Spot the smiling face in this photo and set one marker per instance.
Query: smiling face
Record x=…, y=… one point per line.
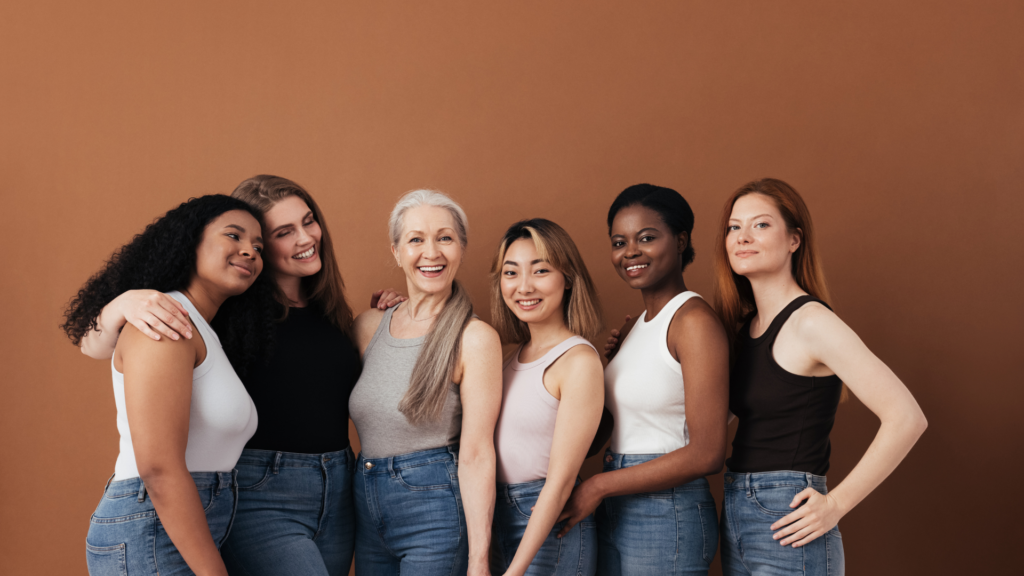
x=531, y=288
x=757, y=239
x=428, y=249
x=644, y=249
x=293, y=239
x=228, y=258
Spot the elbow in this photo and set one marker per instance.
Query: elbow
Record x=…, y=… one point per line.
x=713, y=464
x=920, y=423
x=478, y=454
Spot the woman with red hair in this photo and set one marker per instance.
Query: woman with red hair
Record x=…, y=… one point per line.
x=793, y=360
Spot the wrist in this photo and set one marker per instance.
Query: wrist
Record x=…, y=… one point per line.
x=840, y=501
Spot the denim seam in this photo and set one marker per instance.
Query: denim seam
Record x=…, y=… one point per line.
x=418, y=464
x=125, y=518
x=458, y=507
x=374, y=507
x=704, y=532
x=262, y=482
x=412, y=488
x=324, y=504
x=753, y=497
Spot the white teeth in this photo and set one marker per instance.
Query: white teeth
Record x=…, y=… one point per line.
x=431, y=268
x=528, y=302
x=305, y=254
x=636, y=267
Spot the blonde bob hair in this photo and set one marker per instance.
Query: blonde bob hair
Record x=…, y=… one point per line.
x=439, y=356
x=580, y=306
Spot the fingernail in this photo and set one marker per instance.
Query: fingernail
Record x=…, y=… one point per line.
x=174, y=336
x=188, y=335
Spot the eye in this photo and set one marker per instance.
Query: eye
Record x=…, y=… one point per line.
x=646, y=238
x=411, y=240
x=732, y=228
x=232, y=235
x=258, y=249
x=509, y=273
x=283, y=234
x=618, y=244
x=309, y=222
x=541, y=271
x=761, y=225
x=445, y=238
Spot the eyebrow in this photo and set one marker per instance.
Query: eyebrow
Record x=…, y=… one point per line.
x=240, y=229
x=512, y=263
x=640, y=232
x=753, y=217
x=283, y=226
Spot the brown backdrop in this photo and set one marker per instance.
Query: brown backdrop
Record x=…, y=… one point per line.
x=902, y=125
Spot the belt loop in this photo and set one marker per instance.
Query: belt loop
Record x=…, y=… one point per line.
x=454, y=453
x=142, y=490
x=391, y=466
x=217, y=485
x=746, y=478
x=107, y=485
x=277, y=462
x=810, y=479
x=508, y=496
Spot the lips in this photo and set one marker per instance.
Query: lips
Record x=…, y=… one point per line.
x=305, y=255
x=244, y=267
x=744, y=253
x=431, y=271
x=528, y=304
x=634, y=270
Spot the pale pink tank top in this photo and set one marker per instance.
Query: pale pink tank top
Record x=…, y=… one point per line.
x=526, y=426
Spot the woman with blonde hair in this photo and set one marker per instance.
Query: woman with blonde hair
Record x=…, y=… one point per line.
x=425, y=408
x=793, y=359
x=543, y=299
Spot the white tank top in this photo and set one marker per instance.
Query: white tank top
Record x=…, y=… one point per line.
x=644, y=388
x=222, y=417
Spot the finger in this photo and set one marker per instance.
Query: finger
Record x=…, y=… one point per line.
x=168, y=324
x=801, y=496
x=145, y=329
x=789, y=519
x=810, y=538
x=798, y=536
x=790, y=529
x=568, y=526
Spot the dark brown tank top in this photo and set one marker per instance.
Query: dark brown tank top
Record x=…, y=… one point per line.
x=784, y=419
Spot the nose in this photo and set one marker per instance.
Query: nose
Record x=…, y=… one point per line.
x=743, y=235
x=431, y=250
x=525, y=284
x=248, y=251
x=632, y=249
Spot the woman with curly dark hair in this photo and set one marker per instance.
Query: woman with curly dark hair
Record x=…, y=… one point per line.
x=182, y=412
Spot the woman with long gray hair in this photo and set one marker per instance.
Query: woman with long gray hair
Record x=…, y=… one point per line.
x=425, y=408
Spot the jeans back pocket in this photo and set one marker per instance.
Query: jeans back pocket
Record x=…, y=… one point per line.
x=106, y=560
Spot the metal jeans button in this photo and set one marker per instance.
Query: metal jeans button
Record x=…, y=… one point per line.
x=369, y=465
x=608, y=458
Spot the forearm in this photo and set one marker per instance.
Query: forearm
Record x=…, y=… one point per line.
x=181, y=513
x=673, y=469
x=545, y=513
x=476, y=484
x=100, y=343
x=891, y=444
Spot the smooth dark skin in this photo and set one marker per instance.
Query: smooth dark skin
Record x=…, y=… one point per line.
x=696, y=339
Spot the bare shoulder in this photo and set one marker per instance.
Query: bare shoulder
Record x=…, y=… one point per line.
x=134, y=343
x=696, y=315
x=365, y=325
x=579, y=358
x=814, y=321
x=480, y=338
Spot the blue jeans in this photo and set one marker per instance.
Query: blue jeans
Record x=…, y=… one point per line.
x=753, y=502
x=673, y=531
x=409, y=515
x=294, y=515
x=574, y=554
x=126, y=536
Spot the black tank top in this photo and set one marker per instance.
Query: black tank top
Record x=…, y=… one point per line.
x=784, y=419
x=301, y=394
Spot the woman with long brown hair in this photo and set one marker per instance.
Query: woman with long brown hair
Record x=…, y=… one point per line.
x=294, y=477
x=793, y=359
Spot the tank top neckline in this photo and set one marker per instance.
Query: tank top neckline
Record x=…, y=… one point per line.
x=517, y=365
x=778, y=321
x=684, y=295
x=393, y=341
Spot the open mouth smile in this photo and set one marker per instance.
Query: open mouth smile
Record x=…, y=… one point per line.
x=305, y=255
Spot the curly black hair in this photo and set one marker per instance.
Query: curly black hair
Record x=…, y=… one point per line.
x=163, y=258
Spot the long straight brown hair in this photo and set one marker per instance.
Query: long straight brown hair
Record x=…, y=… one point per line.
x=734, y=297
x=325, y=289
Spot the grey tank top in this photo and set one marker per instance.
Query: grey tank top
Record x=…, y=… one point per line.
x=373, y=406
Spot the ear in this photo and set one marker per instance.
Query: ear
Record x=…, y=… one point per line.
x=394, y=252
x=796, y=240
x=682, y=241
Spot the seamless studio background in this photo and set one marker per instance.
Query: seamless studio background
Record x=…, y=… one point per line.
x=902, y=125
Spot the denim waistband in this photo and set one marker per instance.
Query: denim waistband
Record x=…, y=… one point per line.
x=753, y=480
x=616, y=461
x=218, y=480
x=524, y=489
x=412, y=459
x=293, y=459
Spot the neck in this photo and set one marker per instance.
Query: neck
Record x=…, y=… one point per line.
x=206, y=301
x=291, y=286
x=548, y=333
x=772, y=292
x=423, y=305
x=658, y=295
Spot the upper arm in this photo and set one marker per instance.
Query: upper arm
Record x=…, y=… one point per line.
x=832, y=343
x=365, y=326
x=158, y=396
x=479, y=382
x=579, y=377
x=698, y=339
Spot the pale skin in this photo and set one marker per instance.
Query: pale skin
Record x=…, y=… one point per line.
x=430, y=253
x=815, y=342
x=158, y=387
x=646, y=254
x=292, y=232
x=534, y=291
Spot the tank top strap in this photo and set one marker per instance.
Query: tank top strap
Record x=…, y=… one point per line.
x=780, y=319
x=550, y=356
x=383, y=329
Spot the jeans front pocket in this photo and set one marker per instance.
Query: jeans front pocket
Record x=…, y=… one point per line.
x=775, y=500
x=431, y=476
x=106, y=560
x=253, y=476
